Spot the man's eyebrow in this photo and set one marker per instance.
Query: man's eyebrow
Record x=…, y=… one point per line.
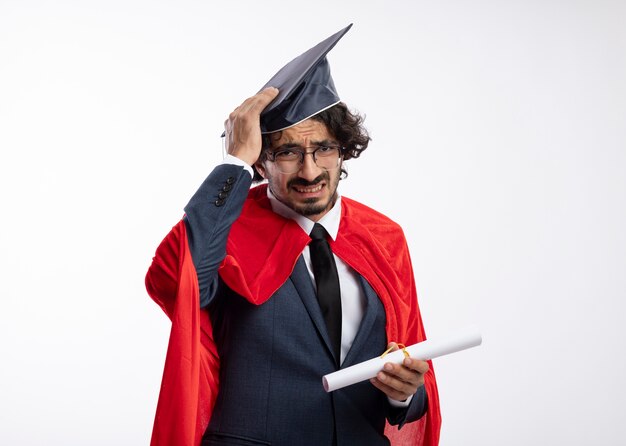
x=293, y=145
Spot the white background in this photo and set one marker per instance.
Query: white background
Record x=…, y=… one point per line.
x=499, y=144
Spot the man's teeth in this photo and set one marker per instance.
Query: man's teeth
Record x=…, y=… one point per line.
x=309, y=190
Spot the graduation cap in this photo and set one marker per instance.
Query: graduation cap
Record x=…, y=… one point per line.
x=305, y=87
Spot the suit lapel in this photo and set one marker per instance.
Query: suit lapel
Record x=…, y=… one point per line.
x=304, y=286
x=363, y=334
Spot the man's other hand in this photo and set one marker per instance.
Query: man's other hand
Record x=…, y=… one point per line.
x=400, y=381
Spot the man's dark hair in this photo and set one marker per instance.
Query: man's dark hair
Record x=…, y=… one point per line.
x=346, y=126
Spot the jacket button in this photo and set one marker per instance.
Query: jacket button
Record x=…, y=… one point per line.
x=230, y=180
x=218, y=202
x=222, y=195
x=227, y=187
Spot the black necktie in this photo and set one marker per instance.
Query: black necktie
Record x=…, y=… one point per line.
x=327, y=280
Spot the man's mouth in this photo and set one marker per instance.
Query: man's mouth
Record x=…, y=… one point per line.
x=309, y=189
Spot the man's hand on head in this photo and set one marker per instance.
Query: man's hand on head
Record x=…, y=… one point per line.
x=400, y=381
x=243, y=126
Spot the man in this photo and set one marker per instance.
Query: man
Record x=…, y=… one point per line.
x=271, y=288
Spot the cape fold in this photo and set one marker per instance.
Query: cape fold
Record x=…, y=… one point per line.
x=191, y=374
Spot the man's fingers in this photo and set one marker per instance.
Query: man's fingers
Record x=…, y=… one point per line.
x=417, y=365
x=270, y=93
x=257, y=103
x=397, y=383
x=263, y=99
x=408, y=373
x=250, y=110
x=389, y=391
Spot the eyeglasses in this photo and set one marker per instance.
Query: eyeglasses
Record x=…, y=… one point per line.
x=290, y=160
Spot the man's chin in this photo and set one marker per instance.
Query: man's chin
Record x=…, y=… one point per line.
x=311, y=206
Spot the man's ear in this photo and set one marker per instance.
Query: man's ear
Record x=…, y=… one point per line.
x=260, y=168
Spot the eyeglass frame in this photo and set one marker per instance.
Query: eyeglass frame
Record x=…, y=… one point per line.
x=270, y=155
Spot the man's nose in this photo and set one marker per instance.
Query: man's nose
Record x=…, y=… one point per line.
x=309, y=170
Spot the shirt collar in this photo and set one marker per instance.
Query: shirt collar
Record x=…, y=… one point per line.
x=330, y=221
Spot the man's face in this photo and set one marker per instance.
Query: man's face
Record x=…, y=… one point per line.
x=312, y=190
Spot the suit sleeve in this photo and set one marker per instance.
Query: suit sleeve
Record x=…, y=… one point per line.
x=209, y=216
x=414, y=411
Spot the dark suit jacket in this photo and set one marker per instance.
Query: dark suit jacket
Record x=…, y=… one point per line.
x=274, y=355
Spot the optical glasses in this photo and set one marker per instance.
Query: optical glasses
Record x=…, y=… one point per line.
x=290, y=160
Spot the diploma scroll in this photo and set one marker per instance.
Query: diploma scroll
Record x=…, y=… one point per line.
x=429, y=349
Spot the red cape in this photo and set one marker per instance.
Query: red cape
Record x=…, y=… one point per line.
x=261, y=252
